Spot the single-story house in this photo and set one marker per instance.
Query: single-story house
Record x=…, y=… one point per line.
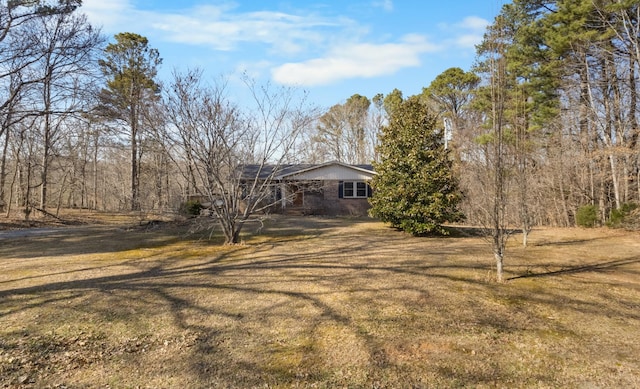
x=332, y=188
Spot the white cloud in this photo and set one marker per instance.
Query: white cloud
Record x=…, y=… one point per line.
x=113, y=16
x=216, y=26
x=320, y=50
x=387, y=5
x=254, y=70
x=468, y=41
x=359, y=60
x=474, y=23
x=211, y=26
x=467, y=33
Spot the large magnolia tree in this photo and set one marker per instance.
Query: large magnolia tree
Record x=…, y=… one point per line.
x=415, y=189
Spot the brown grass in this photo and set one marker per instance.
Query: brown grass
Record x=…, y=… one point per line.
x=313, y=302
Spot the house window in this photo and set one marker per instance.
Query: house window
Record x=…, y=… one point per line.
x=355, y=189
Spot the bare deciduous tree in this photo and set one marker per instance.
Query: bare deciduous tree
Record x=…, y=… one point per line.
x=217, y=141
x=346, y=132
x=68, y=43
x=20, y=51
x=494, y=171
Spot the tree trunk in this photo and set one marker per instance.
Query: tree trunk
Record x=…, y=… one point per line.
x=45, y=167
x=95, y=171
x=563, y=198
x=610, y=131
x=135, y=178
x=16, y=178
x=498, y=254
x=27, y=195
x=46, y=138
x=3, y=171
x=231, y=229
x=589, y=139
x=522, y=158
x=613, y=164
x=635, y=131
x=499, y=178
x=235, y=237
x=59, y=202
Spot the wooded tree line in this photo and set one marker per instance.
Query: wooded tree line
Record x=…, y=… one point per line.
x=546, y=122
x=559, y=79
x=549, y=114
x=46, y=56
x=86, y=123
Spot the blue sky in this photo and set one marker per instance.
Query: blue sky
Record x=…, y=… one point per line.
x=331, y=48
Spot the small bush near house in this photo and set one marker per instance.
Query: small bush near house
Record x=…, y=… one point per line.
x=191, y=208
x=587, y=216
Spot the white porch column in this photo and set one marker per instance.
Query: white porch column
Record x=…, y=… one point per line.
x=283, y=195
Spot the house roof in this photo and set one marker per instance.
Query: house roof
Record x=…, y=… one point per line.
x=286, y=171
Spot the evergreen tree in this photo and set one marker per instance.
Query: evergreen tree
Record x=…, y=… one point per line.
x=415, y=189
x=130, y=66
x=452, y=90
x=392, y=101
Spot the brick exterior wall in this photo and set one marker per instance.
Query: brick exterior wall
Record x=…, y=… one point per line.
x=335, y=206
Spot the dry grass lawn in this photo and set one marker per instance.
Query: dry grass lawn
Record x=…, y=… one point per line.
x=314, y=302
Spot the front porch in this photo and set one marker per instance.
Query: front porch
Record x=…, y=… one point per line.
x=326, y=198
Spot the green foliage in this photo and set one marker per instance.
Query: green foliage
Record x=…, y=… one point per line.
x=415, y=189
x=452, y=90
x=485, y=139
x=587, y=216
x=618, y=217
x=392, y=101
x=191, y=208
x=530, y=76
x=44, y=9
x=130, y=66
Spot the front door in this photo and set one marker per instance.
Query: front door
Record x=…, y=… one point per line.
x=298, y=195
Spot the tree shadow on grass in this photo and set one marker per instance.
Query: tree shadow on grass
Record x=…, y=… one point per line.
x=256, y=273
x=63, y=242
x=592, y=267
x=67, y=241
x=460, y=231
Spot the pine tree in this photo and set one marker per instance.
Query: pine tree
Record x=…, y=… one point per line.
x=415, y=189
x=130, y=66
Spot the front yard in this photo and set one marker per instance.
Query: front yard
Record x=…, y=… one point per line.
x=314, y=302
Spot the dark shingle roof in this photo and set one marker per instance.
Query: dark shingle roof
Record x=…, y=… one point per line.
x=250, y=171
